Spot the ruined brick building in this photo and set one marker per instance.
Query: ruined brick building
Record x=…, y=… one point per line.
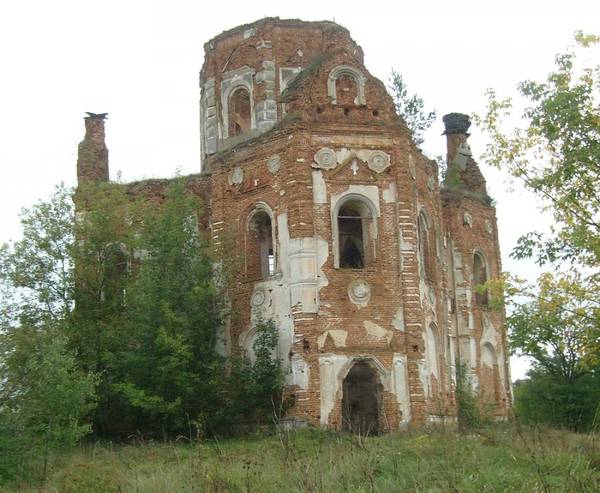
x=367, y=263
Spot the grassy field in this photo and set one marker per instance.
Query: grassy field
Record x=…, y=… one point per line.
x=495, y=459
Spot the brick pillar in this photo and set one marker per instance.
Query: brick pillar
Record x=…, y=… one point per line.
x=92, y=157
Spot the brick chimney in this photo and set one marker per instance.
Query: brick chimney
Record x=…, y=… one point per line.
x=463, y=173
x=92, y=156
x=456, y=127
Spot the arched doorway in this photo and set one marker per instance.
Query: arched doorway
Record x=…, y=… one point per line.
x=361, y=400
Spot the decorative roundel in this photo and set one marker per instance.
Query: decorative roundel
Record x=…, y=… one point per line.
x=359, y=292
x=258, y=298
x=274, y=163
x=325, y=158
x=468, y=220
x=488, y=226
x=236, y=177
x=378, y=161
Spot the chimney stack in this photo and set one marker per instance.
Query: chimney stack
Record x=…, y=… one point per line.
x=456, y=127
x=92, y=156
x=462, y=174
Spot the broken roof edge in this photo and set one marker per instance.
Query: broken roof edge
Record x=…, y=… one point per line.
x=275, y=20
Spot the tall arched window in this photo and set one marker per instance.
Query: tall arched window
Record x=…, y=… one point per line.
x=260, y=255
x=432, y=350
x=425, y=247
x=480, y=277
x=354, y=223
x=239, y=112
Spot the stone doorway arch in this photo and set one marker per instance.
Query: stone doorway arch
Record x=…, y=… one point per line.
x=361, y=401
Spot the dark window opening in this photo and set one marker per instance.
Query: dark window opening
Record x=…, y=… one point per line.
x=479, y=279
x=261, y=262
x=353, y=233
x=239, y=112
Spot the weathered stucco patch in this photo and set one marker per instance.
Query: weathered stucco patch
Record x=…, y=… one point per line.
x=398, y=321
x=319, y=187
x=300, y=372
x=400, y=377
x=330, y=366
x=424, y=377
x=337, y=336
x=377, y=332
x=389, y=193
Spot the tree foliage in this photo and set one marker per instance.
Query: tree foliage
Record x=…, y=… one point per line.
x=410, y=108
x=111, y=318
x=555, y=153
x=169, y=367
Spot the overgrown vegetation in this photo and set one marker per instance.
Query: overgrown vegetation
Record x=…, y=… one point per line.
x=497, y=459
x=111, y=322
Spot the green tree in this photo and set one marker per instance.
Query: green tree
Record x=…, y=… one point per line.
x=555, y=153
x=44, y=400
x=556, y=330
x=410, y=108
x=44, y=396
x=255, y=388
x=169, y=369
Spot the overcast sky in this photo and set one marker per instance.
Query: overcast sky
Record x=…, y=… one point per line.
x=139, y=61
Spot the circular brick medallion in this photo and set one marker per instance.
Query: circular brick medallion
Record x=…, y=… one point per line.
x=359, y=292
x=325, y=158
x=468, y=220
x=258, y=298
x=236, y=177
x=488, y=226
x=274, y=163
x=378, y=161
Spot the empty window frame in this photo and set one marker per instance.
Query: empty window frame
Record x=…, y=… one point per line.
x=239, y=112
x=260, y=254
x=355, y=228
x=480, y=277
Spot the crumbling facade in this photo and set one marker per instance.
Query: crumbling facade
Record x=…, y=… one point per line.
x=365, y=261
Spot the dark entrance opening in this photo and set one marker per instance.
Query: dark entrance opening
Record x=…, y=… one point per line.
x=360, y=403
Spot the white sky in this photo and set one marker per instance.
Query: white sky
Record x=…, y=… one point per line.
x=139, y=61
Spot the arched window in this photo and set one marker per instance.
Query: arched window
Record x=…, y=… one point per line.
x=425, y=247
x=480, y=277
x=346, y=85
x=432, y=350
x=346, y=89
x=260, y=255
x=490, y=375
x=239, y=112
x=354, y=228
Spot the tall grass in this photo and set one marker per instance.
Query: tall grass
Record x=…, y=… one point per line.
x=494, y=459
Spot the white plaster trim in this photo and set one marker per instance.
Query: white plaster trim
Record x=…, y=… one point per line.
x=359, y=78
x=234, y=80
x=369, y=195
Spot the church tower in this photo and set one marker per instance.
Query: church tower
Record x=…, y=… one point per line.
x=348, y=242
